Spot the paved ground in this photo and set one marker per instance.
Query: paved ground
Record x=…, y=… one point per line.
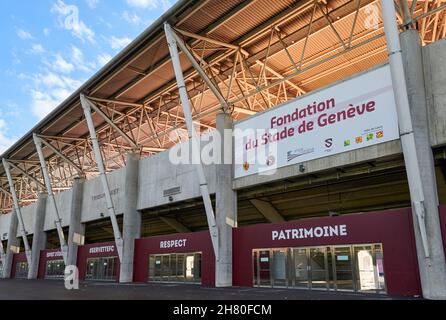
x=55, y=290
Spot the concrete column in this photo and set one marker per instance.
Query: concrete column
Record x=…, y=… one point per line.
x=39, y=237
x=226, y=203
x=76, y=225
x=13, y=241
x=432, y=269
x=132, y=218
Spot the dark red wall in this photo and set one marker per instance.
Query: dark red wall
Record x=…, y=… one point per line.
x=196, y=242
x=391, y=228
x=19, y=257
x=84, y=253
x=43, y=259
x=443, y=225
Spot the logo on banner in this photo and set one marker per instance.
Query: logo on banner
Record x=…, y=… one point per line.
x=291, y=155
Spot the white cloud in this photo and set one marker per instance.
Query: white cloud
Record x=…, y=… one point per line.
x=119, y=43
x=62, y=65
x=24, y=35
x=92, y=3
x=37, y=48
x=79, y=62
x=69, y=19
x=5, y=140
x=103, y=59
x=132, y=18
x=46, y=32
x=49, y=90
x=152, y=4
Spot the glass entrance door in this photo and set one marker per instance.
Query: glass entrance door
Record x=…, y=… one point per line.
x=55, y=269
x=343, y=268
x=349, y=268
x=301, y=269
x=318, y=268
x=179, y=267
x=21, y=270
x=102, y=269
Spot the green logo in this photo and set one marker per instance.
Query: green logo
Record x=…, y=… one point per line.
x=370, y=137
x=347, y=143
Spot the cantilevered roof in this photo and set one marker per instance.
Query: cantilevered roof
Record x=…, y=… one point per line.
x=259, y=53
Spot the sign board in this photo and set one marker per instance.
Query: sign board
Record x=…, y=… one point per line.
x=352, y=114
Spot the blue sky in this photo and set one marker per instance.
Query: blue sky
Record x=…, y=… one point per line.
x=50, y=47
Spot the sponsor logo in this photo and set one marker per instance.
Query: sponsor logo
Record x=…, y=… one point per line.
x=329, y=143
x=347, y=143
x=358, y=140
x=370, y=136
x=380, y=135
x=173, y=244
x=291, y=155
x=270, y=161
x=246, y=166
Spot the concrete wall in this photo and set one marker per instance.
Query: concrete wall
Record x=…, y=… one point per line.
x=5, y=220
x=435, y=76
x=94, y=203
x=157, y=174
x=28, y=214
x=63, y=202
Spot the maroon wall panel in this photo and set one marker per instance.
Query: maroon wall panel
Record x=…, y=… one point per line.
x=47, y=255
x=19, y=257
x=443, y=225
x=195, y=242
x=394, y=229
x=97, y=250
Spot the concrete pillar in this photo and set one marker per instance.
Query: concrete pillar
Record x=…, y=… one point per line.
x=39, y=237
x=432, y=269
x=132, y=218
x=13, y=241
x=226, y=203
x=76, y=225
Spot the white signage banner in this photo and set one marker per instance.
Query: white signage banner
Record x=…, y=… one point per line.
x=353, y=114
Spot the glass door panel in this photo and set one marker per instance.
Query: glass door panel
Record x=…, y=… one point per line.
x=318, y=268
x=301, y=268
x=379, y=262
x=279, y=268
x=343, y=267
x=265, y=268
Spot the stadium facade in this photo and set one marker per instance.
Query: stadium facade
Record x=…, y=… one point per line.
x=321, y=131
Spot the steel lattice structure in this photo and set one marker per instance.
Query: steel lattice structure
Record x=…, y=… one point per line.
x=247, y=58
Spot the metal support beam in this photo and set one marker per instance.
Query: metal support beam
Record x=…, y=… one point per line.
x=267, y=210
x=26, y=174
x=215, y=90
x=58, y=222
x=193, y=138
x=111, y=123
x=175, y=224
x=17, y=210
x=64, y=158
x=87, y=105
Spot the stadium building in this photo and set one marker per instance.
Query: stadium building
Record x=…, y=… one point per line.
x=326, y=125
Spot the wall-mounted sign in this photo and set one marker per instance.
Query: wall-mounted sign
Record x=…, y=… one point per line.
x=173, y=244
x=102, y=195
x=315, y=232
x=103, y=249
x=56, y=254
x=353, y=114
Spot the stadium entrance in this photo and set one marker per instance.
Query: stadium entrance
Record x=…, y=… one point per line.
x=177, y=267
x=350, y=268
